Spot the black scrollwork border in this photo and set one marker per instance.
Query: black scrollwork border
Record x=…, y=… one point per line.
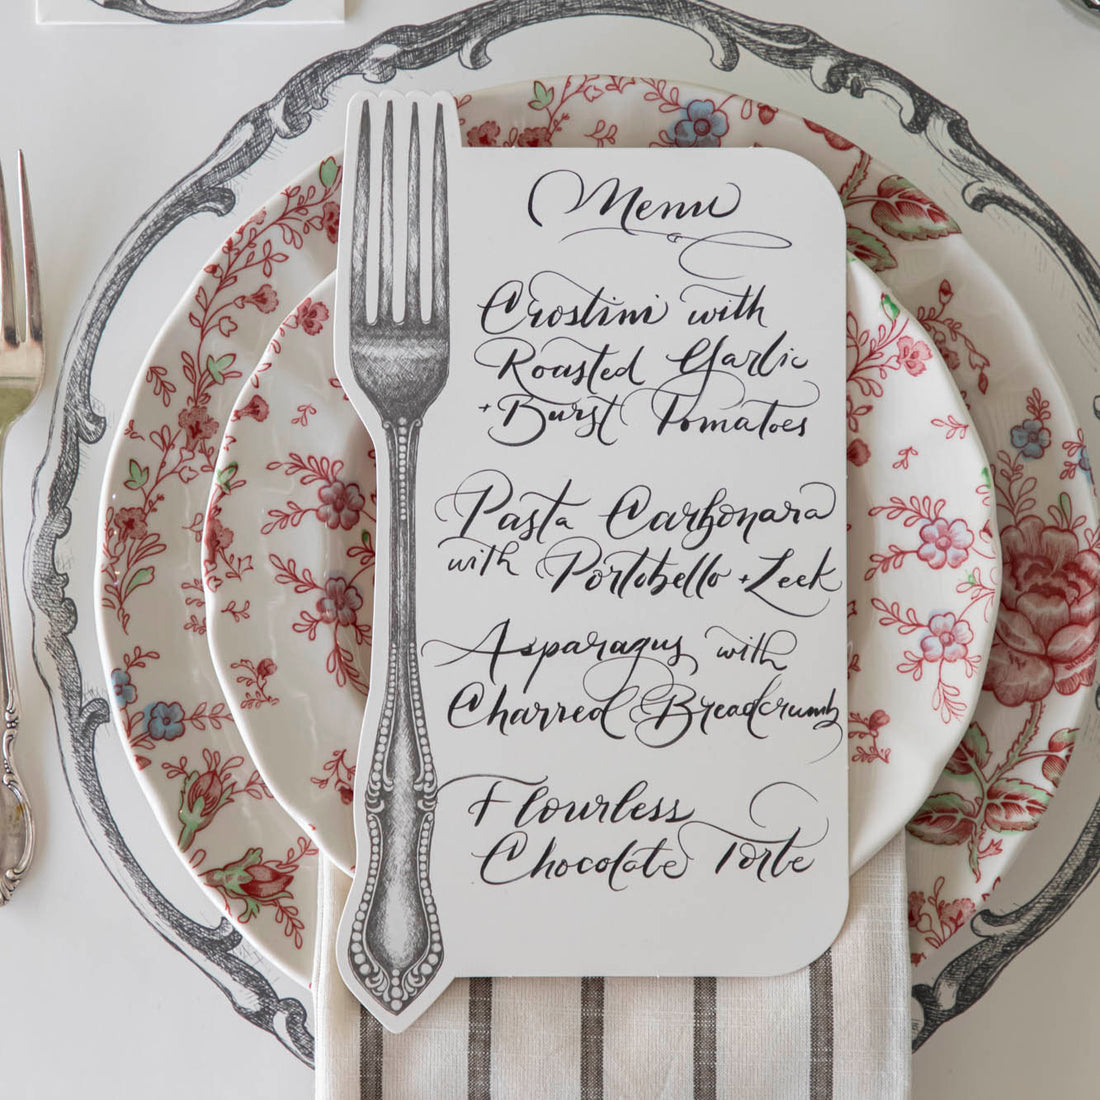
x=468, y=34
x=142, y=9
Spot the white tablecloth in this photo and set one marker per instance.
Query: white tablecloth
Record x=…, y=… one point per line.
x=92, y=1001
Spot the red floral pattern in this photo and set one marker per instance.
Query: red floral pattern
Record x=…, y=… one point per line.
x=944, y=543
x=157, y=485
x=1045, y=645
x=256, y=883
x=340, y=774
x=341, y=504
x=311, y=316
x=1050, y=614
x=337, y=599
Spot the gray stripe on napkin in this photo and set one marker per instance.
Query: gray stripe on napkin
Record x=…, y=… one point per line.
x=821, y=1027
x=592, y=1038
x=705, y=1051
x=370, y=1056
x=479, y=1043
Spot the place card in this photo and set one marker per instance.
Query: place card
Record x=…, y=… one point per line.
x=629, y=602
x=189, y=12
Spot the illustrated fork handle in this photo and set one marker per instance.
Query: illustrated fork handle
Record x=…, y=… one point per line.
x=395, y=945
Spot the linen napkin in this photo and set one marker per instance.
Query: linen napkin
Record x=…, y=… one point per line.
x=838, y=1028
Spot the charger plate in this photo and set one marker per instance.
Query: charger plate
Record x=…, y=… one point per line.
x=1011, y=343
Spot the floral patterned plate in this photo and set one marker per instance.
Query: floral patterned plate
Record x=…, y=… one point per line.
x=290, y=634
x=247, y=852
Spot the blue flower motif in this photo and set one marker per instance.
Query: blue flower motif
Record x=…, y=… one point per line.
x=164, y=721
x=125, y=692
x=1030, y=438
x=701, y=125
x=1084, y=464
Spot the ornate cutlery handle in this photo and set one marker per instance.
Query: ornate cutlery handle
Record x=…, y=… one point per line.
x=395, y=945
x=16, y=821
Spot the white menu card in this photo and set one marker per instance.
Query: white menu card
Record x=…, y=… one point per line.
x=630, y=602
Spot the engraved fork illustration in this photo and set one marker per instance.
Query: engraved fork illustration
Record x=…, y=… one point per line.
x=21, y=370
x=395, y=945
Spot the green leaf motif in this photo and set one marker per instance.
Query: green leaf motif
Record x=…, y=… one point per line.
x=855, y=178
x=1066, y=506
x=946, y=818
x=868, y=248
x=889, y=307
x=225, y=475
x=972, y=753
x=328, y=172
x=904, y=212
x=141, y=577
x=218, y=367
x=139, y=475
x=1013, y=805
x=542, y=97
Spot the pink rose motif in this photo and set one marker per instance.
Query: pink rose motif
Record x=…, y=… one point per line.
x=834, y=140
x=130, y=523
x=218, y=537
x=944, y=543
x=198, y=425
x=1047, y=626
x=913, y=354
x=341, y=503
x=877, y=720
x=954, y=914
x=488, y=133
x=916, y=904
x=858, y=452
x=311, y=316
x=946, y=638
x=265, y=882
x=340, y=602
x=265, y=299
x=330, y=220
x=256, y=409
x=267, y=667
x=533, y=137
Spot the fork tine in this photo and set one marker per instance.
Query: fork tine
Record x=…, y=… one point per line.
x=412, y=264
x=440, y=255
x=7, y=300
x=30, y=259
x=385, y=292
x=359, y=223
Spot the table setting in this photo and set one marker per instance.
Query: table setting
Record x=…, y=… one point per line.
x=215, y=577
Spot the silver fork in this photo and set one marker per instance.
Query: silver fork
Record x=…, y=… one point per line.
x=21, y=368
x=395, y=946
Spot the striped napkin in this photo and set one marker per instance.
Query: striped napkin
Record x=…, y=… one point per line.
x=837, y=1028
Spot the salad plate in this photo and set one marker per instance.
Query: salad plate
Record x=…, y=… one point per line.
x=290, y=634
x=171, y=710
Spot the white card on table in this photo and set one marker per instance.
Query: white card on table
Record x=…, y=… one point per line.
x=190, y=12
x=629, y=606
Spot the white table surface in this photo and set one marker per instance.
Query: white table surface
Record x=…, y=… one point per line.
x=92, y=1001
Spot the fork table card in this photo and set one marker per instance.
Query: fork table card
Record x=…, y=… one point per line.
x=626, y=593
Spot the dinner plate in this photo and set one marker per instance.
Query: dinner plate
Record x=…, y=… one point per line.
x=290, y=635
x=149, y=559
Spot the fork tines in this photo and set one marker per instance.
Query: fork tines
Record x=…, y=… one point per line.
x=393, y=208
x=30, y=268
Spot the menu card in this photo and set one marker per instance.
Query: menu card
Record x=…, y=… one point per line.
x=630, y=602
